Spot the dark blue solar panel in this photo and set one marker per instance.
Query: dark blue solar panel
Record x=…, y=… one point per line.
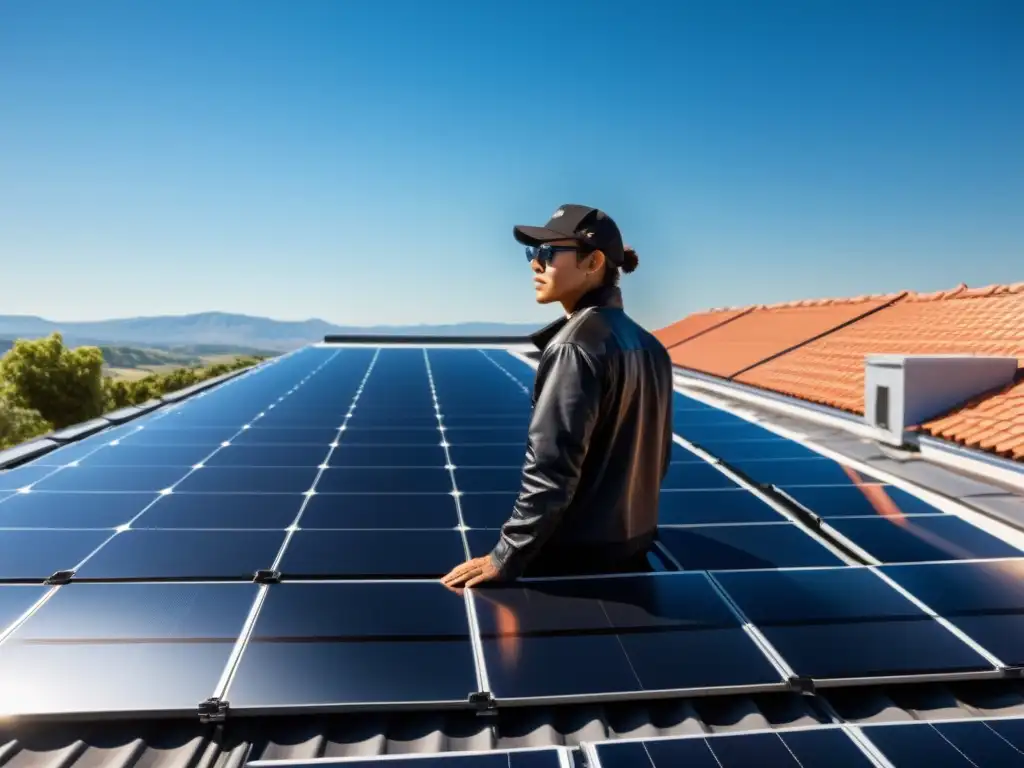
x=740, y=450
x=579, y=637
x=269, y=456
x=384, y=479
x=379, y=510
x=22, y=477
x=390, y=436
x=222, y=510
x=15, y=599
x=486, y=479
x=984, y=600
x=920, y=539
x=486, y=435
x=727, y=547
x=959, y=745
x=860, y=501
x=161, y=433
x=695, y=476
x=739, y=430
x=123, y=648
x=846, y=623
x=487, y=510
x=489, y=455
x=515, y=420
x=332, y=644
x=286, y=436
x=183, y=554
x=372, y=554
x=388, y=456
x=812, y=748
x=393, y=418
x=791, y=472
x=36, y=555
x=41, y=509
x=709, y=417
x=84, y=478
x=128, y=455
x=717, y=506
x=249, y=480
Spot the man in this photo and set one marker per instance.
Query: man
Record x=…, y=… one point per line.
x=600, y=436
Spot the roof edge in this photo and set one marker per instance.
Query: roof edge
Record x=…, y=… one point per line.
x=375, y=338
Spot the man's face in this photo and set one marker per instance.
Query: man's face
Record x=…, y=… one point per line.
x=560, y=276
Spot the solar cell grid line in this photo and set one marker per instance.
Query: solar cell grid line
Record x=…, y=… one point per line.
x=99, y=563
x=515, y=379
x=448, y=459
x=283, y=555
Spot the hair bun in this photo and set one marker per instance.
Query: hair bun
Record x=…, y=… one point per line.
x=630, y=260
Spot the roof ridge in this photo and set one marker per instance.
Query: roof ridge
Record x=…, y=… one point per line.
x=962, y=291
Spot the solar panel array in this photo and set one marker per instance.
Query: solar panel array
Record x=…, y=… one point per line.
x=274, y=545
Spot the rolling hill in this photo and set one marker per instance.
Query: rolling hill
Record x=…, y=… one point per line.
x=227, y=333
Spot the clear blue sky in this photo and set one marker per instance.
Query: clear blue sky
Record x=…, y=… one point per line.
x=364, y=162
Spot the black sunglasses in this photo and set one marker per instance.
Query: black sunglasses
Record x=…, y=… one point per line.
x=545, y=254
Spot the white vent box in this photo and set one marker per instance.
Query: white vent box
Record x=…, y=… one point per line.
x=901, y=391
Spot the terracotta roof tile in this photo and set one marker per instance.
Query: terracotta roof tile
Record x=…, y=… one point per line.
x=815, y=350
x=696, y=324
x=767, y=331
x=830, y=369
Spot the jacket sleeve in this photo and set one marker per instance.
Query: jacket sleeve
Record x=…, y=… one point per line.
x=560, y=430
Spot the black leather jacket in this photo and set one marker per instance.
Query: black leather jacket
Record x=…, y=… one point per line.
x=600, y=440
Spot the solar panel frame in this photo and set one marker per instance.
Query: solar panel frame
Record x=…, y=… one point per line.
x=561, y=757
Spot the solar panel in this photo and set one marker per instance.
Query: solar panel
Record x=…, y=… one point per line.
x=486, y=510
x=808, y=748
x=330, y=645
x=139, y=648
x=726, y=431
x=985, y=600
x=512, y=455
x=756, y=545
x=42, y=509
x=859, y=501
x=726, y=505
x=128, y=455
x=36, y=555
x=182, y=554
x=346, y=455
x=958, y=744
x=921, y=538
x=21, y=477
x=15, y=600
x=693, y=476
x=268, y=456
x=615, y=637
x=381, y=511
x=372, y=554
x=247, y=511
x=551, y=757
x=774, y=448
x=844, y=625
x=797, y=472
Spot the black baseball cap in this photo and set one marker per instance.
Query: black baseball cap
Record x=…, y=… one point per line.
x=590, y=226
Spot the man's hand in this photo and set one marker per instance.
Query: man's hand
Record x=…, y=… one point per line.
x=472, y=572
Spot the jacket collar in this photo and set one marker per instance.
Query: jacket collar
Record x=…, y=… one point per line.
x=602, y=296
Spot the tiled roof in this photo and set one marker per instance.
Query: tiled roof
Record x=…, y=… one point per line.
x=766, y=331
x=696, y=324
x=808, y=350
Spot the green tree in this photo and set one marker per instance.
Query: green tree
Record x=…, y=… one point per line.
x=64, y=385
x=19, y=424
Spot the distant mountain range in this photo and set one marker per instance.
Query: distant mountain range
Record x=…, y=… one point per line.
x=224, y=332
